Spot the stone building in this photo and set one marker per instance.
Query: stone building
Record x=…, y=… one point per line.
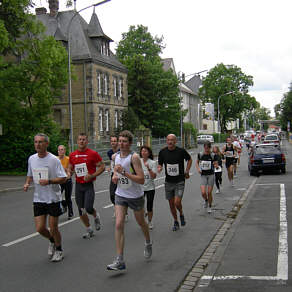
x=99, y=83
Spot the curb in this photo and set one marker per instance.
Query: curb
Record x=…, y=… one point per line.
x=193, y=277
x=11, y=189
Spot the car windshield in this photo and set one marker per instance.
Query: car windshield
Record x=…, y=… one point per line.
x=272, y=138
x=267, y=150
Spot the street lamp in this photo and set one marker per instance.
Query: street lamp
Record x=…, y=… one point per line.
x=69, y=67
x=219, y=126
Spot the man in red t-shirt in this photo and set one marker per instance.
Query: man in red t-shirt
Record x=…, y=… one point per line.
x=87, y=165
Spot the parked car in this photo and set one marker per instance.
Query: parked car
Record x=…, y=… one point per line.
x=266, y=157
x=272, y=138
x=205, y=138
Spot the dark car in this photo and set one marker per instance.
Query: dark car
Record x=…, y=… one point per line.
x=266, y=157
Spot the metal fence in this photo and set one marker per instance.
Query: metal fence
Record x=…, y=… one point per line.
x=102, y=147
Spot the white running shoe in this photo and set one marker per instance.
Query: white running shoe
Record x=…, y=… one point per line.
x=51, y=249
x=209, y=210
x=206, y=204
x=97, y=222
x=148, y=250
x=218, y=192
x=58, y=256
x=88, y=234
x=150, y=224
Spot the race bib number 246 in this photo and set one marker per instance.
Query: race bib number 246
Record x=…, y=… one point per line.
x=172, y=169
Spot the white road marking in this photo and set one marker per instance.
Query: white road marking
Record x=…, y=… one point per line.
x=282, y=264
x=35, y=234
x=108, y=206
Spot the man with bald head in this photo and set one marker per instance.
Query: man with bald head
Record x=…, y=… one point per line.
x=173, y=157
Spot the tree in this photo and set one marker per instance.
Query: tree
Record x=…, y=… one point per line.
x=219, y=83
x=33, y=73
x=285, y=113
x=153, y=93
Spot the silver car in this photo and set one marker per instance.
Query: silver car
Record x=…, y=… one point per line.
x=201, y=139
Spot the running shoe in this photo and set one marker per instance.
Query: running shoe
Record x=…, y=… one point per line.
x=218, y=192
x=148, y=251
x=209, y=210
x=51, y=249
x=97, y=222
x=150, y=224
x=58, y=256
x=182, y=220
x=175, y=226
x=88, y=234
x=116, y=266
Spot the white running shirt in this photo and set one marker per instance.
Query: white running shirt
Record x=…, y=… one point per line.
x=48, y=167
x=149, y=182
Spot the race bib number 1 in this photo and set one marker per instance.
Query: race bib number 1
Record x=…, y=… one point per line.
x=40, y=173
x=172, y=169
x=81, y=169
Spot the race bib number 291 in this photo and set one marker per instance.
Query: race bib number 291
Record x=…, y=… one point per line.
x=81, y=169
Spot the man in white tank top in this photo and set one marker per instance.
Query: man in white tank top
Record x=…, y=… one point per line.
x=129, y=177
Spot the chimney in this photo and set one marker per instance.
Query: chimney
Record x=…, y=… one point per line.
x=40, y=11
x=54, y=7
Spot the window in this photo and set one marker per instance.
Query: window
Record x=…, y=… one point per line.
x=98, y=83
x=121, y=118
x=115, y=87
x=116, y=119
x=105, y=84
x=107, y=120
x=205, y=127
x=100, y=120
x=120, y=88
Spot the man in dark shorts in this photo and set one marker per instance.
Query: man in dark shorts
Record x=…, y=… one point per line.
x=229, y=152
x=47, y=173
x=173, y=157
x=87, y=165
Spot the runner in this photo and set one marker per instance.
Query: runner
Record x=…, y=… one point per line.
x=129, y=177
x=229, y=153
x=149, y=168
x=173, y=157
x=236, y=160
x=205, y=166
x=87, y=165
x=218, y=168
x=46, y=171
x=110, y=153
x=67, y=186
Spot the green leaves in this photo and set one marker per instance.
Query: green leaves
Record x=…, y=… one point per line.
x=153, y=93
x=229, y=84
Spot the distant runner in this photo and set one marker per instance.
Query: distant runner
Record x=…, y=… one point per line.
x=87, y=165
x=173, y=157
x=218, y=168
x=229, y=152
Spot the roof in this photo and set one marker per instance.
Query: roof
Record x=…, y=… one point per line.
x=194, y=83
x=186, y=89
x=82, y=37
x=168, y=64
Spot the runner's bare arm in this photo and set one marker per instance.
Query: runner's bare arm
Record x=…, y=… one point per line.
x=151, y=172
x=115, y=175
x=27, y=183
x=198, y=167
x=189, y=165
x=159, y=168
x=100, y=169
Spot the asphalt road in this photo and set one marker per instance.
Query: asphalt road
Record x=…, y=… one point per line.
x=254, y=254
x=24, y=265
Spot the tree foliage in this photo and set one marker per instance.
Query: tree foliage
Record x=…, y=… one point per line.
x=284, y=109
x=219, y=83
x=153, y=93
x=33, y=73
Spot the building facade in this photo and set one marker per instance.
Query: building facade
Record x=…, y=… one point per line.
x=99, y=81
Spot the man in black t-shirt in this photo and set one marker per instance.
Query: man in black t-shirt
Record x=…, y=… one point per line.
x=173, y=157
x=205, y=166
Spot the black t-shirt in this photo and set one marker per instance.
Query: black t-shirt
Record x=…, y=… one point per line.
x=229, y=150
x=206, y=163
x=173, y=161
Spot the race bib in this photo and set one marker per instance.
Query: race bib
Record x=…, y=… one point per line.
x=172, y=169
x=229, y=153
x=40, y=173
x=124, y=182
x=205, y=165
x=81, y=169
x=218, y=169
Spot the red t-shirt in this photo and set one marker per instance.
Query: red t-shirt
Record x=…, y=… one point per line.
x=84, y=162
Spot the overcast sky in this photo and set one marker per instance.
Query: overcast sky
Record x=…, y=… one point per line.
x=252, y=34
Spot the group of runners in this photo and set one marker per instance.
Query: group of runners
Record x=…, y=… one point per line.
x=131, y=183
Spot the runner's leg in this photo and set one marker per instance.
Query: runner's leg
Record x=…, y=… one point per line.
x=172, y=208
x=119, y=228
x=140, y=218
x=54, y=230
x=40, y=225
